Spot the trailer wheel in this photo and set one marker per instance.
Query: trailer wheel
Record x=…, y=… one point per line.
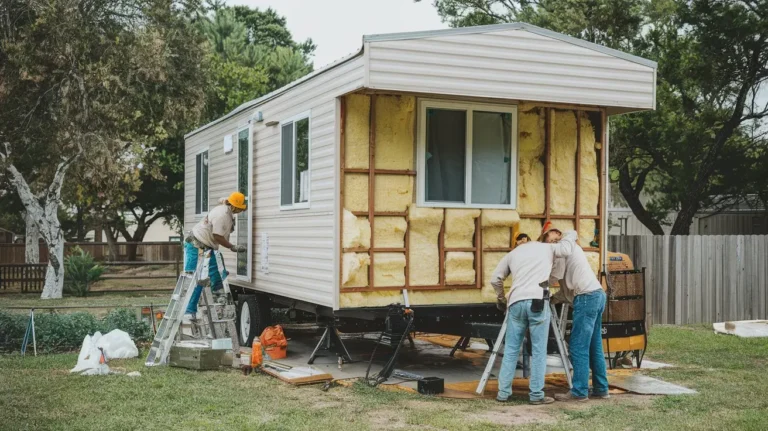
x=252, y=317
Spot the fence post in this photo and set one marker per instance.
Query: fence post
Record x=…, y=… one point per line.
x=177, y=266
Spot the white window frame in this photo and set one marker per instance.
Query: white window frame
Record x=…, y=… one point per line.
x=249, y=200
x=197, y=178
x=421, y=159
x=296, y=205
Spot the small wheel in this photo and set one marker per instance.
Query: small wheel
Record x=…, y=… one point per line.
x=252, y=317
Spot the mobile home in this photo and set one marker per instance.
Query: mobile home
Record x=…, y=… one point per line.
x=411, y=165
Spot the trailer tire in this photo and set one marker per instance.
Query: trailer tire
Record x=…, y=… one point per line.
x=253, y=315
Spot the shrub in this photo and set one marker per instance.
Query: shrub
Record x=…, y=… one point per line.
x=65, y=332
x=80, y=271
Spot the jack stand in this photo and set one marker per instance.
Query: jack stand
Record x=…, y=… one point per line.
x=331, y=341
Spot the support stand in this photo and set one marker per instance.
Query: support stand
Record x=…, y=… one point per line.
x=331, y=341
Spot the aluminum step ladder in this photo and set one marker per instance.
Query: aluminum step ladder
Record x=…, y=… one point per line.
x=556, y=323
x=218, y=319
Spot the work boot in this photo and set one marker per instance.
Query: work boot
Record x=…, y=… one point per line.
x=568, y=396
x=604, y=396
x=545, y=400
x=189, y=318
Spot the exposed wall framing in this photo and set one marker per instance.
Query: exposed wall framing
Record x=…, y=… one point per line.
x=478, y=249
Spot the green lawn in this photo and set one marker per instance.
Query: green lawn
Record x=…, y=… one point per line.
x=38, y=393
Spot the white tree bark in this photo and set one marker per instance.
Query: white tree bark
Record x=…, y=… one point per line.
x=32, y=240
x=44, y=213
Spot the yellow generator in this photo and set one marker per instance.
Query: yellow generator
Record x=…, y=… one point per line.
x=624, y=326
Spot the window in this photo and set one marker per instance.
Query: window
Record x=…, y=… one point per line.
x=467, y=155
x=294, y=163
x=201, y=182
x=244, y=179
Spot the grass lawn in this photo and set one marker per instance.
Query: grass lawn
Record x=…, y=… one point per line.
x=38, y=393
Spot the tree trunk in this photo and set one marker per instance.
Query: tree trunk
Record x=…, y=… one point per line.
x=111, y=242
x=32, y=240
x=54, y=277
x=80, y=225
x=682, y=225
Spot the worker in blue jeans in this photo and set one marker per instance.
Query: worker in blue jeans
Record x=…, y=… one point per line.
x=586, y=343
x=208, y=234
x=214, y=277
x=529, y=265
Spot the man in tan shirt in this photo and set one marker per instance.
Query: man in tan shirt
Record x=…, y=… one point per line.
x=210, y=233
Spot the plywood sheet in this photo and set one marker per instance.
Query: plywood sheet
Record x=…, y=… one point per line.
x=356, y=192
x=589, y=185
x=459, y=268
x=425, y=226
x=389, y=232
x=356, y=133
x=530, y=153
x=460, y=227
x=563, y=164
x=393, y=192
x=388, y=269
x=395, y=116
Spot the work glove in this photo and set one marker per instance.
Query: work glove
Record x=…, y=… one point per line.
x=501, y=303
x=239, y=248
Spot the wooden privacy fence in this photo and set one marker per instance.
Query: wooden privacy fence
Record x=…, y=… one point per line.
x=142, y=251
x=29, y=278
x=700, y=278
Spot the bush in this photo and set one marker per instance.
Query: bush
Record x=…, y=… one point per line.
x=80, y=271
x=65, y=332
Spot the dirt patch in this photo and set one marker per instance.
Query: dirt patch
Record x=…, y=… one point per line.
x=515, y=415
x=386, y=420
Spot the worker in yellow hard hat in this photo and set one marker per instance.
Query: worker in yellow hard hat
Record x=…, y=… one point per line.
x=210, y=233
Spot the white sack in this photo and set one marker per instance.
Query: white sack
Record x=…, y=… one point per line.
x=117, y=344
x=88, y=359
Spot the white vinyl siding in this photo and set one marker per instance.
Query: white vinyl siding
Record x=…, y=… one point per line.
x=467, y=155
x=303, y=250
x=511, y=64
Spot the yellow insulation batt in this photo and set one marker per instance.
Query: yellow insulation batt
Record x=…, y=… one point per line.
x=388, y=269
x=389, y=232
x=357, y=231
x=530, y=226
x=589, y=190
x=355, y=269
x=563, y=225
x=497, y=224
x=459, y=268
x=593, y=258
x=530, y=151
x=356, y=131
x=586, y=232
x=394, y=132
x=490, y=261
x=563, y=164
x=393, y=192
x=460, y=227
x=424, y=230
x=356, y=192
x=417, y=297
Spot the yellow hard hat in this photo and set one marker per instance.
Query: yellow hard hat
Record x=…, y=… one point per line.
x=237, y=200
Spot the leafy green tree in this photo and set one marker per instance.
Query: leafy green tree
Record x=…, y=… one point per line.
x=702, y=147
x=89, y=88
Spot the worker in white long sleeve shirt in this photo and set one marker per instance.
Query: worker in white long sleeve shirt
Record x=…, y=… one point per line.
x=530, y=264
x=586, y=343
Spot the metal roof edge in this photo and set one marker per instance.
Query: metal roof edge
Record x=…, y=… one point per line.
x=269, y=96
x=512, y=26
